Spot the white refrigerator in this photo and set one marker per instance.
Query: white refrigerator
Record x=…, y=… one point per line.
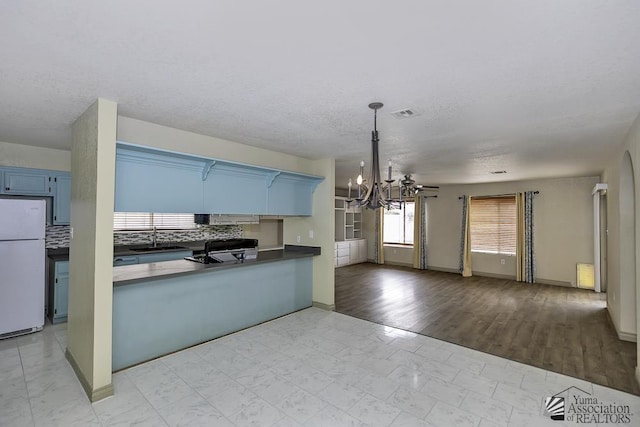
x=22, y=260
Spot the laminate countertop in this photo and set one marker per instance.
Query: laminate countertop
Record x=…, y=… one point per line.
x=62, y=254
x=130, y=274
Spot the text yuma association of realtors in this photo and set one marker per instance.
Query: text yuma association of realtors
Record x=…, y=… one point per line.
x=589, y=410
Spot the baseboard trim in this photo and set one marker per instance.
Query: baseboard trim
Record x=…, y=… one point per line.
x=624, y=336
x=398, y=264
x=444, y=269
x=93, y=395
x=555, y=283
x=493, y=275
x=323, y=306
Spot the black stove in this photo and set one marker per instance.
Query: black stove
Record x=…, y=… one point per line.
x=227, y=251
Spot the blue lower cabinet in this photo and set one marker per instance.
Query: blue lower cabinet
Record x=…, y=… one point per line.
x=60, y=292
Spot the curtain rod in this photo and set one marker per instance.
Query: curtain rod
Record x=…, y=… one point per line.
x=496, y=195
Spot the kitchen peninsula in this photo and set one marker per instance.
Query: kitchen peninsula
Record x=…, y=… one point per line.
x=159, y=308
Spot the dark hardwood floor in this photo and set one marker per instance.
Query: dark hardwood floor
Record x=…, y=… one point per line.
x=561, y=329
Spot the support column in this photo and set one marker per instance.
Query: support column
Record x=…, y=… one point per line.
x=93, y=153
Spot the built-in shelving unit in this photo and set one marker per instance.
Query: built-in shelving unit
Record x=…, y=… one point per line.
x=350, y=247
x=348, y=220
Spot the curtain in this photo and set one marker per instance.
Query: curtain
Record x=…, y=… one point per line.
x=420, y=233
x=378, y=246
x=465, y=239
x=525, y=257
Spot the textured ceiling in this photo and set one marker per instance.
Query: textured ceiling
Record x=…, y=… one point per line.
x=538, y=88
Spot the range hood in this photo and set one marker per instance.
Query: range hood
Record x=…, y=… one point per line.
x=222, y=219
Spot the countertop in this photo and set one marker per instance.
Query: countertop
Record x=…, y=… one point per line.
x=62, y=254
x=130, y=274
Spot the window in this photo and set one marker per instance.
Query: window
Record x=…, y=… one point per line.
x=493, y=225
x=147, y=220
x=398, y=225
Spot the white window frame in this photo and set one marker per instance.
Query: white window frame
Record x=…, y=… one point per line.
x=404, y=228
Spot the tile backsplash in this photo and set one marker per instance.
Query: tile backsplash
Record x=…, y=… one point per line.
x=58, y=236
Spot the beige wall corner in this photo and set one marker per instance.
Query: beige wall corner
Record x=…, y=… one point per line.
x=91, y=249
x=322, y=223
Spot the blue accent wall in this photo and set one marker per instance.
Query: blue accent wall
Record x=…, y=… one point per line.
x=157, y=317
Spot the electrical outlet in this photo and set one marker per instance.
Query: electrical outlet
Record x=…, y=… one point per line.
x=502, y=261
x=311, y=234
x=298, y=239
x=71, y=232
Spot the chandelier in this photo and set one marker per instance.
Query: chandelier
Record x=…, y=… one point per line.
x=373, y=193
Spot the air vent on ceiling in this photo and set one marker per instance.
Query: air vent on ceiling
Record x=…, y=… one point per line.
x=404, y=114
x=497, y=172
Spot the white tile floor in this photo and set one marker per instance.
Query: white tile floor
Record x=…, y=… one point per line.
x=311, y=368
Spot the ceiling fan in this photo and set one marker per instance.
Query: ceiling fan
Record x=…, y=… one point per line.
x=410, y=188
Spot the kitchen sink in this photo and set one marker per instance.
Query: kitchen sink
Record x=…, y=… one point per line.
x=158, y=248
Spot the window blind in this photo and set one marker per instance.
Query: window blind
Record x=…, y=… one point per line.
x=147, y=220
x=493, y=225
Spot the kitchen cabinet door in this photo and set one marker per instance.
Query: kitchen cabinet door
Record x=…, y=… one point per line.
x=27, y=182
x=353, y=252
x=157, y=183
x=290, y=197
x=362, y=250
x=62, y=200
x=61, y=292
x=233, y=189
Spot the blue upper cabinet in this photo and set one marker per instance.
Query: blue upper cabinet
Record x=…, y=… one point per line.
x=27, y=182
x=235, y=189
x=291, y=194
x=151, y=180
x=148, y=181
x=62, y=199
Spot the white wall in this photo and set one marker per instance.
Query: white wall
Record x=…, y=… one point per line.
x=26, y=156
x=322, y=223
x=563, y=229
x=152, y=135
x=623, y=248
x=91, y=249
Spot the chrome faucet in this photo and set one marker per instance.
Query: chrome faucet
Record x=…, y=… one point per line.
x=154, y=237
